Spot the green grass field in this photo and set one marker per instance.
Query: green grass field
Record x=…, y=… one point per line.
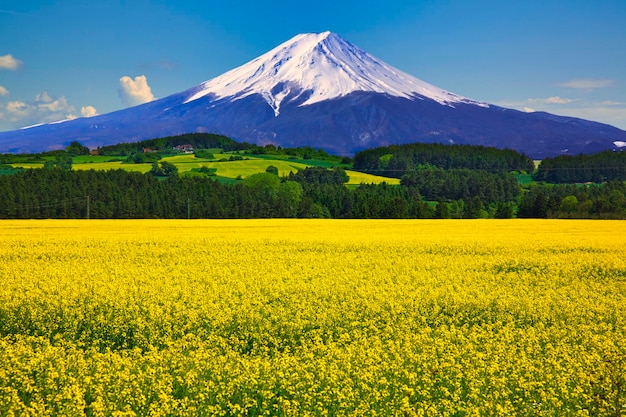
x=105, y=166
x=226, y=170
x=307, y=162
x=91, y=159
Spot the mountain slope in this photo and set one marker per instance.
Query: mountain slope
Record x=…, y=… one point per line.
x=322, y=91
x=318, y=67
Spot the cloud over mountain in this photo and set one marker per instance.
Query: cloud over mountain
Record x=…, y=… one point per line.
x=135, y=91
x=88, y=111
x=42, y=107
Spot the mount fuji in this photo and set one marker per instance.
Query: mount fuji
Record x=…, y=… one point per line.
x=319, y=90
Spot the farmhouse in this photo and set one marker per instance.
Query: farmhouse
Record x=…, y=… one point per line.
x=184, y=148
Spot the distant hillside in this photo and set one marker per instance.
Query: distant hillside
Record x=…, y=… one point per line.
x=197, y=154
x=196, y=140
x=396, y=161
x=599, y=167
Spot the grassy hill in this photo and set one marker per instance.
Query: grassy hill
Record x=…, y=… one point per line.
x=227, y=170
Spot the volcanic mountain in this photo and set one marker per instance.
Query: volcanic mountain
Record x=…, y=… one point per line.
x=319, y=90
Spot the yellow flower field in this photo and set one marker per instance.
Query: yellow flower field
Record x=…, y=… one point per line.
x=312, y=318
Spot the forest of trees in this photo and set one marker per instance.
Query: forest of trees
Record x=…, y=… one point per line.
x=457, y=184
x=599, y=167
x=397, y=160
x=436, y=181
x=58, y=193
x=313, y=192
x=596, y=201
x=197, y=140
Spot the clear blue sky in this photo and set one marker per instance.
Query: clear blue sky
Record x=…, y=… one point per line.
x=66, y=57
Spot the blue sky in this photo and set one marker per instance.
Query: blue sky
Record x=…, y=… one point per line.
x=69, y=58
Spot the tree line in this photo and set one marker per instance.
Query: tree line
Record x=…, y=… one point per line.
x=597, y=168
x=58, y=193
x=196, y=140
x=488, y=187
x=313, y=192
x=595, y=201
x=397, y=160
x=310, y=193
x=200, y=142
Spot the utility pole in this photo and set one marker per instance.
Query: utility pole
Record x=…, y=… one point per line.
x=87, y=207
x=188, y=208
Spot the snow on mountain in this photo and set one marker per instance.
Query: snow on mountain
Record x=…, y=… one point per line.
x=319, y=67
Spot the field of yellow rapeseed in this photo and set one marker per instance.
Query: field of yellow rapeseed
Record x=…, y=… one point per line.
x=313, y=318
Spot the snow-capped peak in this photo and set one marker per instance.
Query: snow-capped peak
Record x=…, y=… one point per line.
x=323, y=66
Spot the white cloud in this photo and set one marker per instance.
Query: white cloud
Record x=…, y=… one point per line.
x=42, y=109
x=134, y=92
x=529, y=104
x=88, y=111
x=3, y=91
x=550, y=100
x=7, y=62
x=43, y=98
x=47, y=104
x=17, y=108
x=587, y=83
x=558, y=100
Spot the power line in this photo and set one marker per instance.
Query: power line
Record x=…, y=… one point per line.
x=33, y=206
